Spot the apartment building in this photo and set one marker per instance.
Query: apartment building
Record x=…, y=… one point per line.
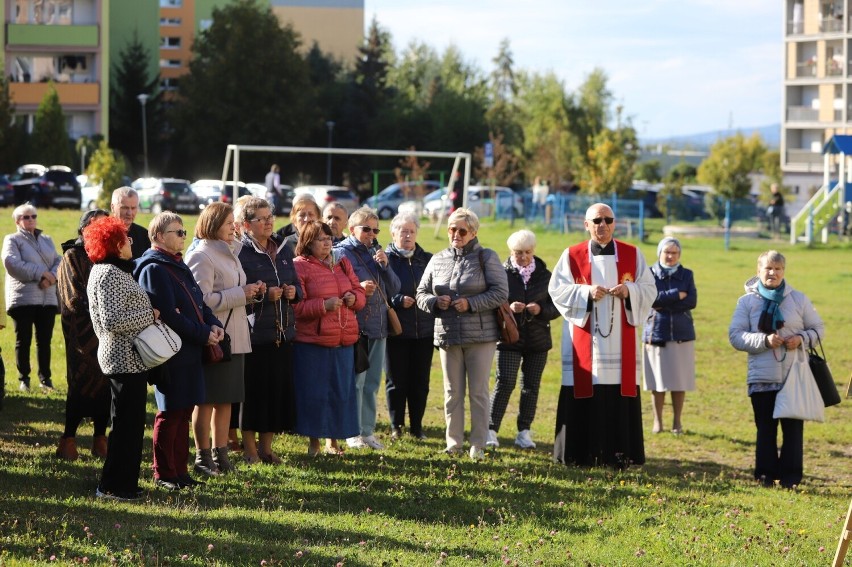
x=817, y=98
x=59, y=42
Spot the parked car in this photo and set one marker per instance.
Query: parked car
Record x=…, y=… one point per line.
x=387, y=201
x=285, y=206
x=210, y=190
x=479, y=200
x=325, y=194
x=7, y=192
x=54, y=186
x=165, y=194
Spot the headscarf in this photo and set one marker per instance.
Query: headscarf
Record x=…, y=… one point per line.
x=668, y=240
x=771, y=318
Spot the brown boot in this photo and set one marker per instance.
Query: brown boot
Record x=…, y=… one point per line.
x=99, y=446
x=67, y=449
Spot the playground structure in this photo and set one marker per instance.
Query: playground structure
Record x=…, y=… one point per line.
x=832, y=203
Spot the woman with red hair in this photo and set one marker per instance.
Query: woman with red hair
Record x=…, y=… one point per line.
x=120, y=310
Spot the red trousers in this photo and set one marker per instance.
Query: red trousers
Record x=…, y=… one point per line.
x=171, y=443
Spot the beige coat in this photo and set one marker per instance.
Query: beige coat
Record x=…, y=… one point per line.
x=221, y=278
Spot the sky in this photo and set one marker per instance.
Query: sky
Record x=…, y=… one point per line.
x=678, y=67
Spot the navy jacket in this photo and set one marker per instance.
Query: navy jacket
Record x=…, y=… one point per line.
x=259, y=266
x=416, y=323
x=671, y=318
x=534, y=331
x=186, y=378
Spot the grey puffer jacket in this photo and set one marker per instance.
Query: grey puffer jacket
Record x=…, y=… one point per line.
x=800, y=318
x=458, y=273
x=26, y=256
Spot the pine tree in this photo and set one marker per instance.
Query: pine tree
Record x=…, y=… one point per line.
x=50, y=142
x=13, y=137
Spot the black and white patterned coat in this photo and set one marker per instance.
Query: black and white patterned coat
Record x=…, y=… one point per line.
x=120, y=310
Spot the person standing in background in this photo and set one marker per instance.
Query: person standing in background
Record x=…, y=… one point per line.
x=125, y=206
x=273, y=187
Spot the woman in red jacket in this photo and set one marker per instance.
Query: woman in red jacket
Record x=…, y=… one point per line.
x=326, y=329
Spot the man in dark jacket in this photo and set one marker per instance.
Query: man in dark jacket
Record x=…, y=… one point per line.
x=125, y=206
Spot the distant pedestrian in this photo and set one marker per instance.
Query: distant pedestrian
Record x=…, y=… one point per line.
x=273, y=188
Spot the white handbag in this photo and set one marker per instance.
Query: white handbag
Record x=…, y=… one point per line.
x=157, y=343
x=799, y=398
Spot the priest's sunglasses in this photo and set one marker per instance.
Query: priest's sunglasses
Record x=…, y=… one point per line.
x=599, y=220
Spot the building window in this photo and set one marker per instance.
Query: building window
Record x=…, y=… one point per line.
x=70, y=68
x=171, y=3
x=169, y=43
x=170, y=63
x=170, y=21
x=51, y=12
x=169, y=84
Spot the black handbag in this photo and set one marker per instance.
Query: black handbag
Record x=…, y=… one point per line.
x=362, y=353
x=822, y=375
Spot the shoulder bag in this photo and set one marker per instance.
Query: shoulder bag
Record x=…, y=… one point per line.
x=210, y=354
x=509, y=333
x=799, y=398
x=156, y=344
x=394, y=326
x=822, y=375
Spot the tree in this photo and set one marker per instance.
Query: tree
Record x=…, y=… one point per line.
x=771, y=169
x=50, y=142
x=608, y=167
x=131, y=77
x=13, y=136
x=649, y=171
x=505, y=170
x=681, y=174
x=107, y=169
x=247, y=84
x=501, y=115
x=729, y=164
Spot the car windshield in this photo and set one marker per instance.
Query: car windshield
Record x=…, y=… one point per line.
x=339, y=194
x=176, y=187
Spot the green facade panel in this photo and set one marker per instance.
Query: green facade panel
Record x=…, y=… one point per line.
x=75, y=36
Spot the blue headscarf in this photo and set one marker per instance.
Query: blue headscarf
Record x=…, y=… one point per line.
x=664, y=243
x=771, y=318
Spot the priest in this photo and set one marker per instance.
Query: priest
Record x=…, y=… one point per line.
x=604, y=289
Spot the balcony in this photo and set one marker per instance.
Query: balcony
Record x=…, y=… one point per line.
x=70, y=94
x=804, y=157
x=834, y=68
x=795, y=28
x=802, y=114
x=27, y=35
x=806, y=69
x=831, y=25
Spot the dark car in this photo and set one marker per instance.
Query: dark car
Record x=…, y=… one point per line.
x=7, y=192
x=167, y=194
x=54, y=186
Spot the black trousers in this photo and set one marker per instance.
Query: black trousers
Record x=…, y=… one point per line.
x=408, y=363
x=24, y=318
x=124, y=448
x=770, y=465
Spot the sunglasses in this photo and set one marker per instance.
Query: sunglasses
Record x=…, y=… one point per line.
x=462, y=231
x=28, y=217
x=369, y=229
x=182, y=233
x=270, y=218
x=599, y=220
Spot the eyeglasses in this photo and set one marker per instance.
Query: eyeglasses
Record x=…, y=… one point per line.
x=130, y=240
x=599, y=220
x=180, y=232
x=369, y=229
x=462, y=231
x=270, y=218
x=323, y=240
x=28, y=217
x=406, y=232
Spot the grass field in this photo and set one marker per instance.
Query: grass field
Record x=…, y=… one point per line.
x=693, y=503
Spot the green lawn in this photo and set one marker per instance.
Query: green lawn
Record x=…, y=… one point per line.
x=693, y=503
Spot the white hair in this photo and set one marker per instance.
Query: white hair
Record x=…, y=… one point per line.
x=21, y=210
x=522, y=240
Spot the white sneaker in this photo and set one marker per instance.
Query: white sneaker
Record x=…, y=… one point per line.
x=524, y=441
x=492, y=439
x=356, y=442
x=476, y=453
x=371, y=442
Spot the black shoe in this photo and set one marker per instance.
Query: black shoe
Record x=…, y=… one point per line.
x=46, y=384
x=120, y=496
x=24, y=385
x=186, y=481
x=170, y=484
x=420, y=436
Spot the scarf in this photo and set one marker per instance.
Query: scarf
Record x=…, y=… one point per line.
x=524, y=271
x=668, y=270
x=402, y=252
x=771, y=318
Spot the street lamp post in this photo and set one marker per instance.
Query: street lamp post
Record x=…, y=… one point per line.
x=143, y=98
x=330, y=125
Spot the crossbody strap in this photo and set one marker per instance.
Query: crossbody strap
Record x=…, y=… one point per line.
x=378, y=283
x=192, y=300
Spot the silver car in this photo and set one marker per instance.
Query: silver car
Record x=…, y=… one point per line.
x=325, y=194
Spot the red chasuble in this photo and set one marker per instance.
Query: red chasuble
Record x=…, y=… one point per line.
x=581, y=270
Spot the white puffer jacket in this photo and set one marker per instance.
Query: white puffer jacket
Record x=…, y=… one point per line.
x=800, y=318
x=26, y=256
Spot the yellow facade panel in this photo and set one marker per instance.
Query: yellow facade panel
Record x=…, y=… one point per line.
x=78, y=94
x=338, y=32
x=811, y=14
x=791, y=60
x=826, y=103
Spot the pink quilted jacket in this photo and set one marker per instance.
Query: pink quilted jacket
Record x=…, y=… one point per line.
x=314, y=324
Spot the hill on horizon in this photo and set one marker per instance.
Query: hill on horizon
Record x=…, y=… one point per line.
x=771, y=136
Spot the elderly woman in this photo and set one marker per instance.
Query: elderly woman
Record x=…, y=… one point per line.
x=462, y=286
x=88, y=390
x=226, y=291
x=408, y=360
x=120, y=310
x=305, y=210
x=162, y=273
x=528, y=278
x=268, y=405
x=370, y=263
x=31, y=261
x=771, y=319
x=326, y=329
x=669, y=335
